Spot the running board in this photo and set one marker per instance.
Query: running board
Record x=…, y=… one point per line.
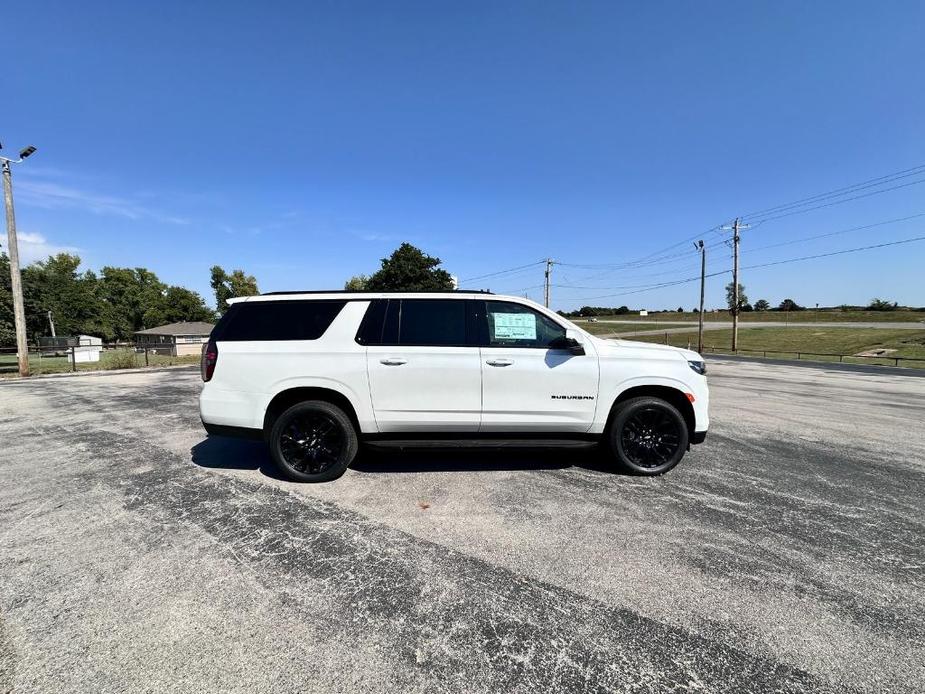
x=480, y=443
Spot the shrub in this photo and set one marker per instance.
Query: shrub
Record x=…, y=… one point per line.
x=120, y=359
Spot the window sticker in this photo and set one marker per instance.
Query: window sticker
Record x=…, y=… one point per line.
x=514, y=326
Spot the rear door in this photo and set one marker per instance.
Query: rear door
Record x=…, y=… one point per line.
x=424, y=368
x=526, y=384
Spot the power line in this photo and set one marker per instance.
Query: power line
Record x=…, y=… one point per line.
x=842, y=252
x=763, y=265
x=504, y=272
x=836, y=233
x=839, y=202
x=880, y=180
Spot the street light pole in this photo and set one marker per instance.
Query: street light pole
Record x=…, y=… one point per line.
x=19, y=314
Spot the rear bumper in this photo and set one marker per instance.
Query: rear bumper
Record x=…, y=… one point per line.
x=235, y=432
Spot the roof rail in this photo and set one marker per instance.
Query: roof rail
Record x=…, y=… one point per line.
x=361, y=291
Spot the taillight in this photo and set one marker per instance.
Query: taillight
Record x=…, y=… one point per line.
x=209, y=360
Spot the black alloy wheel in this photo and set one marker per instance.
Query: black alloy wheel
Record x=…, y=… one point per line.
x=313, y=441
x=648, y=435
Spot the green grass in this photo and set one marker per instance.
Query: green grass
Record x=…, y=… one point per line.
x=794, y=340
x=109, y=360
x=610, y=328
x=807, y=316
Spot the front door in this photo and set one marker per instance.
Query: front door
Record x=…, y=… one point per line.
x=425, y=376
x=528, y=385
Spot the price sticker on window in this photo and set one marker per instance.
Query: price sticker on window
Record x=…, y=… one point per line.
x=514, y=326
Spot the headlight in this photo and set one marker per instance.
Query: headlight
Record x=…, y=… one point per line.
x=698, y=366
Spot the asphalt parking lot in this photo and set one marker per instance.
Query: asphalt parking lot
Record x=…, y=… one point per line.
x=786, y=554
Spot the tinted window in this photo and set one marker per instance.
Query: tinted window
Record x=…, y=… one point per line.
x=277, y=320
x=515, y=325
x=370, y=332
x=431, y=322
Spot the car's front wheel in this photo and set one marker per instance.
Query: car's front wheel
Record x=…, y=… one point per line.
x=647, y=435
x=313, y=441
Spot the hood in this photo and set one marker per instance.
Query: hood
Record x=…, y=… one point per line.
x=686, y=354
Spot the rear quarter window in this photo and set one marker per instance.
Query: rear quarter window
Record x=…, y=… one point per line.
x=259, y=321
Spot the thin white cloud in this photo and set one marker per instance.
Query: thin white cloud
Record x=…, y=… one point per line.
x=33, y=246
x=51, y=195
x=372, y=236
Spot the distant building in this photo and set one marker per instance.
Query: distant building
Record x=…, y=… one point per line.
x=176, y=339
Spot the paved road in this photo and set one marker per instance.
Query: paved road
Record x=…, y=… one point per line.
x=784, y=555
x=691, y=326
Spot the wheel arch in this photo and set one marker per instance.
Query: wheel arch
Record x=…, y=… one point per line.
x=285, y=399
x=670, y=394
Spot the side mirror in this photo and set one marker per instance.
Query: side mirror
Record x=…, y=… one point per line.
x=568, y=343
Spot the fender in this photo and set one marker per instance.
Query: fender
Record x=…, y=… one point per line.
x=607, y=400
x=362, y=404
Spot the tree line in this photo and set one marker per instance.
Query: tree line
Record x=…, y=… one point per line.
x=119, y=301
x=112, y=304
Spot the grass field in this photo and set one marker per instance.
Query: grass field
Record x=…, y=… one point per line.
x=790, y=341
x=109, y=360
x=807, y=316
x=610, y=328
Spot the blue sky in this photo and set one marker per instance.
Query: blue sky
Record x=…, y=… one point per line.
x=304, y=141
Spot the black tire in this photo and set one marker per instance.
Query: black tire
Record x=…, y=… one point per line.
x=313, y=441
x=647, y=435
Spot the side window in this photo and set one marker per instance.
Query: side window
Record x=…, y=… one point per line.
x=431, y=322
x=276, y=320
x=516, y=325
x=370, y=331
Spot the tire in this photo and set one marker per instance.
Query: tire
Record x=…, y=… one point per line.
x=313, y=441
x=647, y=435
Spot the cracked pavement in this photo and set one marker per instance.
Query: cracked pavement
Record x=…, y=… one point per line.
x=783, y=555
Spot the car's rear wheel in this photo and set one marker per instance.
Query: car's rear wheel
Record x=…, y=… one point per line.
x=313, y=441
x=647, y=435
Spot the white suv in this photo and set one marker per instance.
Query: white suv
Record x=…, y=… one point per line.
x=317, y=373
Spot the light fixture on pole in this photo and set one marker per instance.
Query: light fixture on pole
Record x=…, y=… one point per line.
x=19, y=314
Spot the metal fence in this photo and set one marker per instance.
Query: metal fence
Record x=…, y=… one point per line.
x=63, y=358
x=809, y=355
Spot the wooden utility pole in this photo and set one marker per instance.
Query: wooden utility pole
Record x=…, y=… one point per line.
x=546, y=289
x=703, y=280
x=19, y=314
x=735, y=285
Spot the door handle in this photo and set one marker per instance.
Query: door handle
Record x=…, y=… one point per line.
x=499, y=362
x=392, y=361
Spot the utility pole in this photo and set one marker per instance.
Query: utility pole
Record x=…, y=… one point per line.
x=736, y=227
x=546, y=291
x=19, y=314
x=735, y=285
x=703, y=279
x=51, y=322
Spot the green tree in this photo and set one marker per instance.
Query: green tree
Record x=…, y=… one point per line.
x=762, y=305
x=73, y=298
x=134, y=300
x=881, y=305
x=789, y=305
x=730, y=297
x=7, y=325
x=409, y=269
x=357, y=283
x=229, y=285
x=182, y=305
